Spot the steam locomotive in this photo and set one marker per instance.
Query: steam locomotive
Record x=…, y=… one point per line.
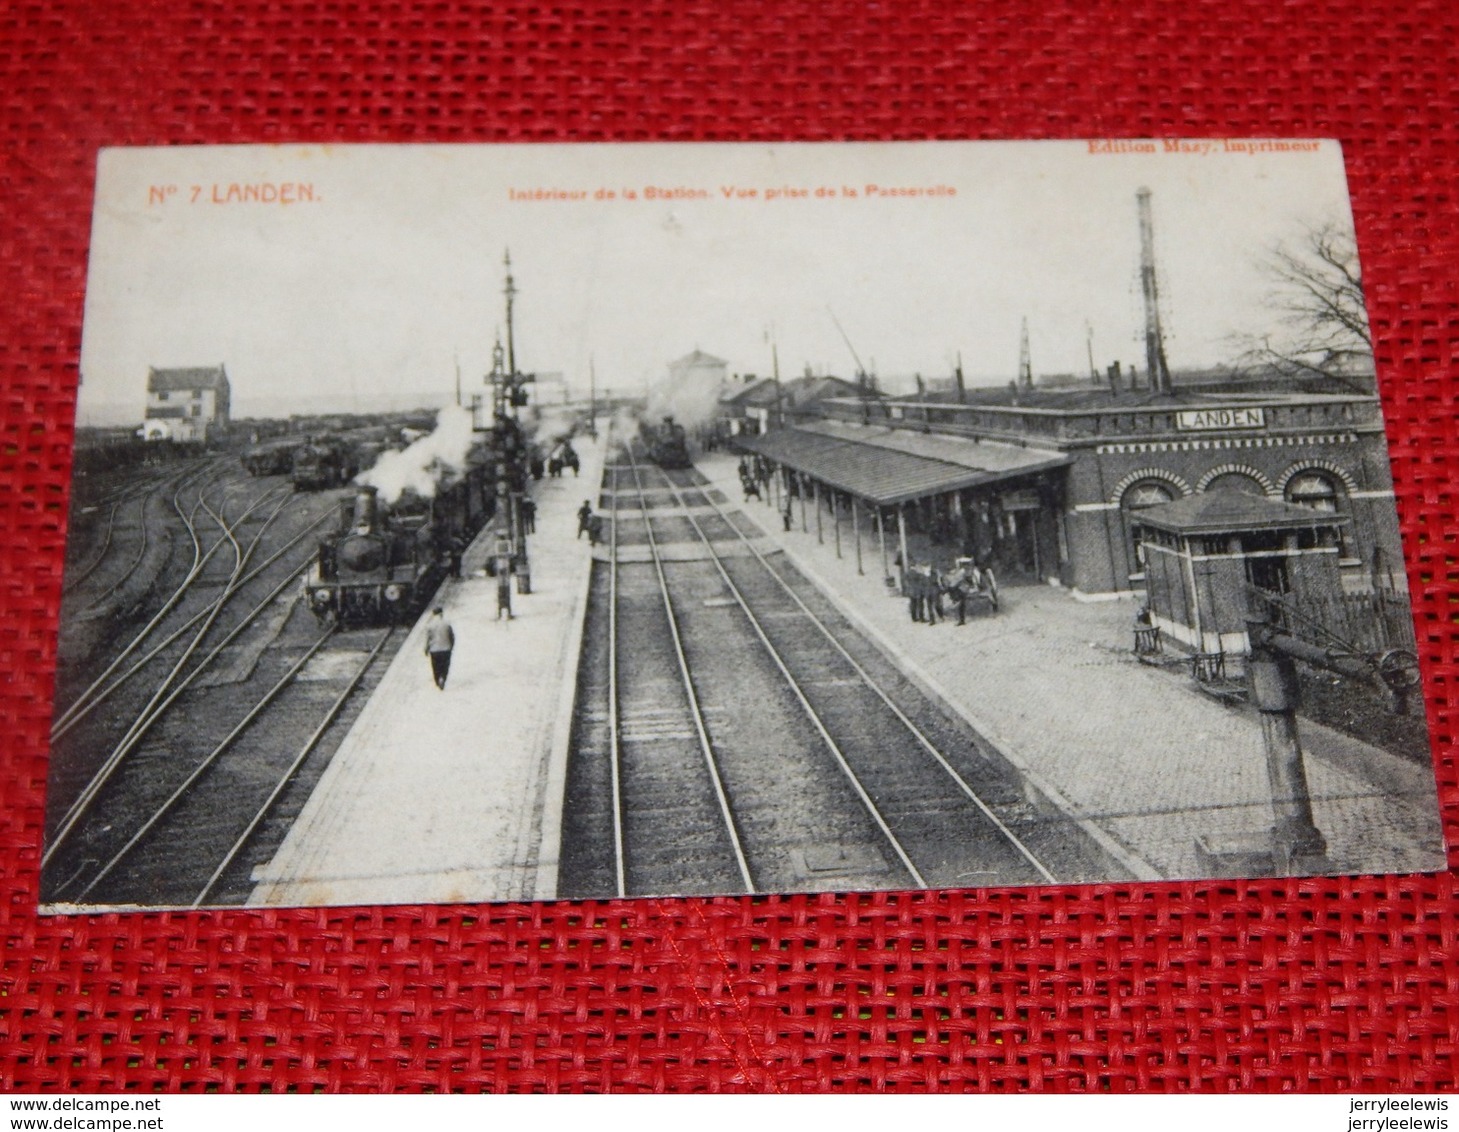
x=665, y=443
x=323, y=463
x=384, y=561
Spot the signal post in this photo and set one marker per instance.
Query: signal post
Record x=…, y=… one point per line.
x=508, y=394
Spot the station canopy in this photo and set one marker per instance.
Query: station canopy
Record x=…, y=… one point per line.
x=894, y=465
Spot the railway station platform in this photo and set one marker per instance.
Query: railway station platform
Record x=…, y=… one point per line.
x=1146, y=763
x=454, y=796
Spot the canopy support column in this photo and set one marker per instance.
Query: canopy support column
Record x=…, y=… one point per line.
x=902, y=545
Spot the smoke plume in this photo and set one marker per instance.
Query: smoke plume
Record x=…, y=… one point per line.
x=436, y=458
x=692, y=402
x=549, y=425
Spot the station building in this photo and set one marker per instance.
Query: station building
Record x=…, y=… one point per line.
x=1062, y=487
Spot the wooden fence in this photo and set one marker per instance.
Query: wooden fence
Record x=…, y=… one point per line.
x=1364, y=622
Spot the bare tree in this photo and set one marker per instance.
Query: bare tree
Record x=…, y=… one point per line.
x=1317, y=292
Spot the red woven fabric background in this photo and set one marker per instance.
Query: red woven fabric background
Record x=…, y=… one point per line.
x=1317, y=985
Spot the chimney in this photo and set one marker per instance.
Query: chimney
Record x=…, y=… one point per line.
x=1155, y=366
x=366, y=511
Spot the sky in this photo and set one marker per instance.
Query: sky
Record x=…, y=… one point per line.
x=360, y=277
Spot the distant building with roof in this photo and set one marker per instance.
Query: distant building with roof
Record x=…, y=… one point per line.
x=187, y=406
x=698, y=366
x=756, y=404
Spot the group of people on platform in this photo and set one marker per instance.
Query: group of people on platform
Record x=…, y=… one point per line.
x=754, y=477
x=932, y=595
x=927, y=588
x=563, y=456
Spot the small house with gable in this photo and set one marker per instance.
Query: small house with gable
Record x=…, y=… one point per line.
x=187, y=406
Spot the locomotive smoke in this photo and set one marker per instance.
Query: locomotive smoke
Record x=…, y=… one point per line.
x=554, y=424
x=691, y=403
x=435, y=458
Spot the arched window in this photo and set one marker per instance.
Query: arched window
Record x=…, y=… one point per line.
x=1137, y=497
x=1146, y=493
x=1321, y=492
x=1313, y=489
x=1236, y=481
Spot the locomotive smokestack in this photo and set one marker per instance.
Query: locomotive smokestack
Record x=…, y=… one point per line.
x=1155, y=366
x=366, y=510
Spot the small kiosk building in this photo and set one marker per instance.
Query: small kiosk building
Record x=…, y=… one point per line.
x=1204, y=554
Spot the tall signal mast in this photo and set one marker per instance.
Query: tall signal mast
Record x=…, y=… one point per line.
x=510, y=291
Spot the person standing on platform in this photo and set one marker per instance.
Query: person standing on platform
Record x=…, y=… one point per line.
x=959, y=583
x=504, y=571
x=934, y=594
x=585, y=518
x=529, y=516
x=440, y=640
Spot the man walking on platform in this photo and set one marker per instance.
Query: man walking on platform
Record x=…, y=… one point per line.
x=503, y=567
x=440, y=640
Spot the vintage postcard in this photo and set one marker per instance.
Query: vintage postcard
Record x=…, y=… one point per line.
x=476, y=523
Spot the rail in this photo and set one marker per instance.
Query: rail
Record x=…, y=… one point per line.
x=814, y=716
x=922, y=739
x=693, y=697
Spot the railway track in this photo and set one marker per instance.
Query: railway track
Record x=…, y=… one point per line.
x=204, y=697
x=176, y=848
x=831, y=770
x=101, y=541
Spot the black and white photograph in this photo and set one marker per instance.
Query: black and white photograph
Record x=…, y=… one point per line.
x=470, y=523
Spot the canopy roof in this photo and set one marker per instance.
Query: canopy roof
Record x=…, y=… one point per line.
x=887, y=465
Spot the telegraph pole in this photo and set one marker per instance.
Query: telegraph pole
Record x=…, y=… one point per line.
x=592, y=399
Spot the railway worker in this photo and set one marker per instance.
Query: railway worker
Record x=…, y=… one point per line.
x=585, y=518
x=440, y=640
